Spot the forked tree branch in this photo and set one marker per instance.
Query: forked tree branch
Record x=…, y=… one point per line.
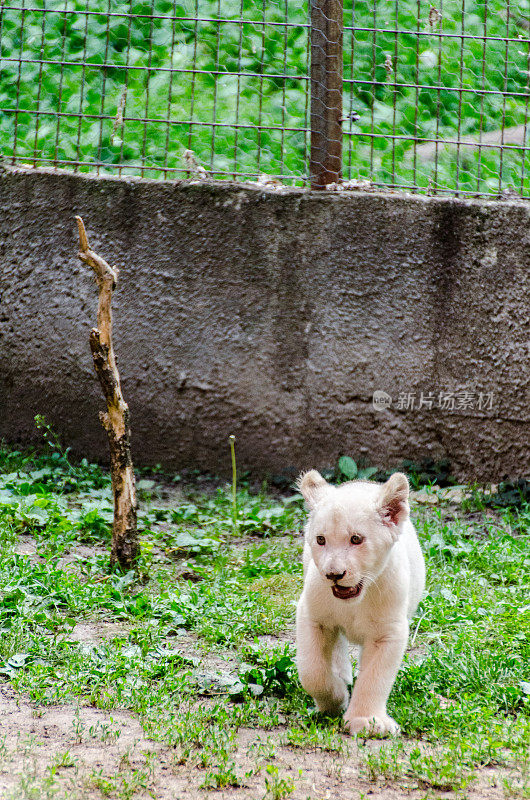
x=115, y=420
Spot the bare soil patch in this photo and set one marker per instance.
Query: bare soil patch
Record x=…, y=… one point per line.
x=85, y=753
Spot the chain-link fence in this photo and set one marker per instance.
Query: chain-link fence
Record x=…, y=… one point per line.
x=397, y=93
x=437, y=95
x=127, y=86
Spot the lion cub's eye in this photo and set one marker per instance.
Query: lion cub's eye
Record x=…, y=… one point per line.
x=321, y=540
x=357, y=538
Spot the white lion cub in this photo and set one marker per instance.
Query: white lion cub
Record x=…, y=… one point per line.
x=364, y=575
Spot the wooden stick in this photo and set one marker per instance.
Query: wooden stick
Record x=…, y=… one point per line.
x=115, y=420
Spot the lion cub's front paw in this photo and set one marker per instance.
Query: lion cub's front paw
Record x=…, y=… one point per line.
x=372, y=726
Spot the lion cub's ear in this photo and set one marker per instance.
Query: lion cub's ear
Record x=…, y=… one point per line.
x=312, y=487
x=393, y=504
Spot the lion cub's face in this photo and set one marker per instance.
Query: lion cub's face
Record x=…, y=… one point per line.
x=351, y=528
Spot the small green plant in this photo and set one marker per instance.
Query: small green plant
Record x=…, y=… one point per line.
x=52, y=441
x=232, y=440
x=349, y=470
x=126, y=784
x=329, y=737
x=511, y=494
x=95, y=525
x=386, y=762
x=53, y=467
x=222, y=775
x=277, y=787
x=476, y=499
x=428, y=471
x=65, y=759
x=440, y=770
x=516, y=787
x=104, y=732
x=270, y=672
x=79, y=726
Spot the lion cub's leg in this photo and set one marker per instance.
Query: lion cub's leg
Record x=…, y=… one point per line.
x=341, y=661
x=315, y=645
x=380, y=660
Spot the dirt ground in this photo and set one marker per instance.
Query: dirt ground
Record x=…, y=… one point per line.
x=85, y=753
x=34, y=741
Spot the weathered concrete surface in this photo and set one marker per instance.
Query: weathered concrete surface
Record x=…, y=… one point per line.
x=272, y=316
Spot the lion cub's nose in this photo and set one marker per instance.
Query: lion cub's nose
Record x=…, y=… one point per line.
x=335, y=576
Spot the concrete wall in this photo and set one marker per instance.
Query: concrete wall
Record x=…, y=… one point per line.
x=270, y=315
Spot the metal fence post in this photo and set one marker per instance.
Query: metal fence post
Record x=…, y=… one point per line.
x=326, y=92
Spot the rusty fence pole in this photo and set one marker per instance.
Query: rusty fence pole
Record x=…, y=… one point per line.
x=326, y=92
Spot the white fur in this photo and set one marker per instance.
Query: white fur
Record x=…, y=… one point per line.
x=390, y=565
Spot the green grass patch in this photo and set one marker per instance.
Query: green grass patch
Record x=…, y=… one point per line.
x=208, y=594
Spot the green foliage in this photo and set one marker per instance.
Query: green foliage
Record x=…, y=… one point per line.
x=511, y=494
x=348, y=470
x=479, y=667
x=428, y=472
x=269, y=673
x=388, y=66
x=95, y=525
x=260, y=561
x=277, y=787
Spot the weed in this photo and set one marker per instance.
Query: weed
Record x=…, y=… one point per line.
x=516, y=787
x=326, y=736
x=428, y=472
x=438, y=770
x=476, y=499
x=260, y=749
x=222, y=775
x=124, y=785
x=277, y=787
x=79, y=726
x=104, y=732
x=65, y=760
x=348, y=470
x=52, y=441
x=269, y=672
x=234, y=482
x=387, y=761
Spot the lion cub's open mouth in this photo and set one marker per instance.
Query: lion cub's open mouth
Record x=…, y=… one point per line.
x=346, y=592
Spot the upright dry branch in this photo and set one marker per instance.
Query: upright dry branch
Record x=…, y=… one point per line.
x=116, y=419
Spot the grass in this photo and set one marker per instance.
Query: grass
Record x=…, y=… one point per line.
x=204, y=645
x=96, y=114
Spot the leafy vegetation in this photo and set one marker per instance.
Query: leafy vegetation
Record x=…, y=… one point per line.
x=133, y=89
x=209, y=615
x=349, y=470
